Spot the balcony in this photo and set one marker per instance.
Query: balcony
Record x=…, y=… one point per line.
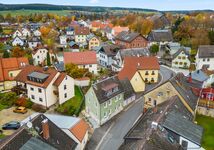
x=206, y=103
x=19, y=89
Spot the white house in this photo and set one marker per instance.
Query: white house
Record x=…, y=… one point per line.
x=17, y=33
x=37, y=33
x=63, y=40
x=180, y=59
x=18, y=41
x=34, y=42
x=86, y=59
x=45, y=86
x=106, y=54
x=26, y=32
x=39, y=56
x=205, y=57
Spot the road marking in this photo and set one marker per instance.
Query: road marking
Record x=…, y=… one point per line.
x=104, y=136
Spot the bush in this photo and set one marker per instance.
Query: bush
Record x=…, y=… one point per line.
x=25, y=102
x=8, y=99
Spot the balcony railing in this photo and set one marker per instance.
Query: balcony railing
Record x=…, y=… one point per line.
x=206, y=103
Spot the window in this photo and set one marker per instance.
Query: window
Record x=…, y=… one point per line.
x=176, y=62
x=109, y=102
x=180, y=63
x=152, y=80
x=203, y=59
x=184, y=144
x=153, y=72
x=11, y=74
x=40, y=99
x=109, y=112
x=90, y=65
x=38, y=57
x=65, y=95
x=32, y=89
x=40, y=90
x=179, y=57
x=105, y=115
x=208, y=59
x=147, y=73
x=65, y=87
x=105, y=105
x=32, y=97
x=183, y=57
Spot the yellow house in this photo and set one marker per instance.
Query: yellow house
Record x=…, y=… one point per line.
x=177, y=86
x=93, y=42
x=9, y=69
x=140, y=70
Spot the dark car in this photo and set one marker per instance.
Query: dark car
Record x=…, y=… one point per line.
x=11, y=125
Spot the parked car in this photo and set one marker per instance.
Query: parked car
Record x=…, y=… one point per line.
x=11, y=125
x=20, y=109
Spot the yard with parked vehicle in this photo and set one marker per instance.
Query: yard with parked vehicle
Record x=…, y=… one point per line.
x=208, y=137
x=74, y=105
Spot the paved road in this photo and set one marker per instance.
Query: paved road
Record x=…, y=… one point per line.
x=110, y=136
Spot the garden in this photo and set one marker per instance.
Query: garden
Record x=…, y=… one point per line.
x=74, y=105
x=208, y=136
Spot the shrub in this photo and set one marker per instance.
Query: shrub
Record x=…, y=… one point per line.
x=8, y=99
x=25, y=102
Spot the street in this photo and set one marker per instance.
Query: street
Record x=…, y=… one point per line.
x=110, y=136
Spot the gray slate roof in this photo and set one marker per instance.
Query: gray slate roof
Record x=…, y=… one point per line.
x=183, y=127
x=128, y=89
x=127, y=36
x=100, y=93
x=206, y=51
x=134, y=52
x=182, y=49
x=184, y=88
x=160, y=36
x=158, y=139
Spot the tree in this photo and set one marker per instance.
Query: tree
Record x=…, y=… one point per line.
x=154, y=48
x=6, y=54
x=48, y=59
x=75, y=72
x=18, y=52
x=1, y=30
x=211, y=37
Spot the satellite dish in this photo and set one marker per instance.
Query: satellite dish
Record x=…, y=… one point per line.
x=29, y=125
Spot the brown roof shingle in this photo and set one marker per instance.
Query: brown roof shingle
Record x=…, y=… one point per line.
x=22, y=76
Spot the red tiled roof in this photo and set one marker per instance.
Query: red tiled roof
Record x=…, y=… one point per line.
x=11, y=64
x=83, y=78
x=22, y=76
x=80, y=58
x=59, y=79
x=118, y=29
x=101, y=25
x=79, y=130
x=132, y=64
x=82, y=31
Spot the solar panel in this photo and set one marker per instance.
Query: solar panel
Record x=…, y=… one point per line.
x=37, y=77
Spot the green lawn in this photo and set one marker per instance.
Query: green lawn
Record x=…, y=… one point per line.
x=2, y=107
x=2, y=136
x=72, y=106
x=208, y=124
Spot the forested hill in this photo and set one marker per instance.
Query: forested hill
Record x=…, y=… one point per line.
x=4, y=7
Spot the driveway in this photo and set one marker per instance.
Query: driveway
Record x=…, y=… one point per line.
x=110, y=135
x=7, y=115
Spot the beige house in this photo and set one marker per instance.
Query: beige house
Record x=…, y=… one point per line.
x=9, y=69
x=93, y=42
x=139, y=71
x=177, y=86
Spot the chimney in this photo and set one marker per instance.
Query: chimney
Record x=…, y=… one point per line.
x=45, y=129
x=45, y=68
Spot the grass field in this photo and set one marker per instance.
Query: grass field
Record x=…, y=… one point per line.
x=208, y=124
x=28, y=12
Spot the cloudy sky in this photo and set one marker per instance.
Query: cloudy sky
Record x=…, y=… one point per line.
x=152, y=4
